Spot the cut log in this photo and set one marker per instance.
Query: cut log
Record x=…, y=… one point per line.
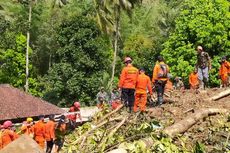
x=183, y=125
x=221, y=95
x=24, y=144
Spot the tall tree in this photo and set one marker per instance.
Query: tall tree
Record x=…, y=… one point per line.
x=201, y=22
x=108, y=17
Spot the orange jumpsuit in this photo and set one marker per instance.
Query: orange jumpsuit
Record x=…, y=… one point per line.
x=128, y=77
x=50, y=130
x=8, y=136
x=27, y=129
x=193, y=80
x=143, y=82
x=224, y=72
x=39, y=133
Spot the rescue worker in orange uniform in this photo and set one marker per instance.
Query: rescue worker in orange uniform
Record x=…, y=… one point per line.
x=60, y=132
x=8, y=135
x=224, y=72
x=50, y=133
x=160, y=77
x=39, y=132
x=75, y=109
x=127, y=83
x=193, y=80
x=27, y=127
x=143, y=83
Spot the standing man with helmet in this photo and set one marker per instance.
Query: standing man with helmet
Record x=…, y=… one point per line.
x=27, y=127
x=203, y=66
x=160, y=77
x=127, y=83
x=75, y=114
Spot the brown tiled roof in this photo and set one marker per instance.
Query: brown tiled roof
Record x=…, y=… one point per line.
x=15, y=103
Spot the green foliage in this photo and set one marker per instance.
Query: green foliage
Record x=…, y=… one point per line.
x=80, y=63
x=13, y=66
x=199, y=148
x=145, y=32
x=203, y=23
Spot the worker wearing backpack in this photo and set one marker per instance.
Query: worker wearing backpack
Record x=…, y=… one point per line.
x=160, y=77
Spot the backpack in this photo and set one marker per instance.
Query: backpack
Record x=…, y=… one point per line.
x=163, y=73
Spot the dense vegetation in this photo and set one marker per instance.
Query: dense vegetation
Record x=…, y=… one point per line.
x=70, y=54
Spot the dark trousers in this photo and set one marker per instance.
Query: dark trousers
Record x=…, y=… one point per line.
x=49, y=146
x=160, y=88
x=128, y=97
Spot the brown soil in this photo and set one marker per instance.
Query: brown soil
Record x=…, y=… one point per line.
x=211, y=131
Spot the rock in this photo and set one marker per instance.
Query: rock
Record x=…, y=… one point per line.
x=24, y=144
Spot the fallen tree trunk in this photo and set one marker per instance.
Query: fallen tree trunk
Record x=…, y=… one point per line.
x=221, y=95
x=183, y=125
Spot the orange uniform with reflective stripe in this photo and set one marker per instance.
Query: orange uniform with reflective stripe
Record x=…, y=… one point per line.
x=8, y=136
x=128, y=77
x=39, y=133
x=143, y=83
x=193, y=80
x=50, y=130
x=157, y=70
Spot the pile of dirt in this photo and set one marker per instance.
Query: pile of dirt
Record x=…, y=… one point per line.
x=24, y=144
x=15, y=103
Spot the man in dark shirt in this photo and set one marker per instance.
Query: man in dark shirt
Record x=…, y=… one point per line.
x=203, y=66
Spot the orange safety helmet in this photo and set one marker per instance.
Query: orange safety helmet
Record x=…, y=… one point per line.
x=127, y=59
x=77, y=104
x=7, y=124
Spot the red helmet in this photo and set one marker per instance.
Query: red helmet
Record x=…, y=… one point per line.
x=77, y=104
x=128, y=59
x=7, y=124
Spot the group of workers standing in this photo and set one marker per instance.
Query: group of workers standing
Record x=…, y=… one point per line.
x=134, y=84
x=45, y=134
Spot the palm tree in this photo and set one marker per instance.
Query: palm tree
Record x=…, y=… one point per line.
x=108, y=17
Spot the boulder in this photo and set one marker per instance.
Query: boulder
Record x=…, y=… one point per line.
x=24, y=144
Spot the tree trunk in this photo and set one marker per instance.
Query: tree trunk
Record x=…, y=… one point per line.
x=115, y=45
x=221, y=95
x=27, y=49
x=183, y=125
